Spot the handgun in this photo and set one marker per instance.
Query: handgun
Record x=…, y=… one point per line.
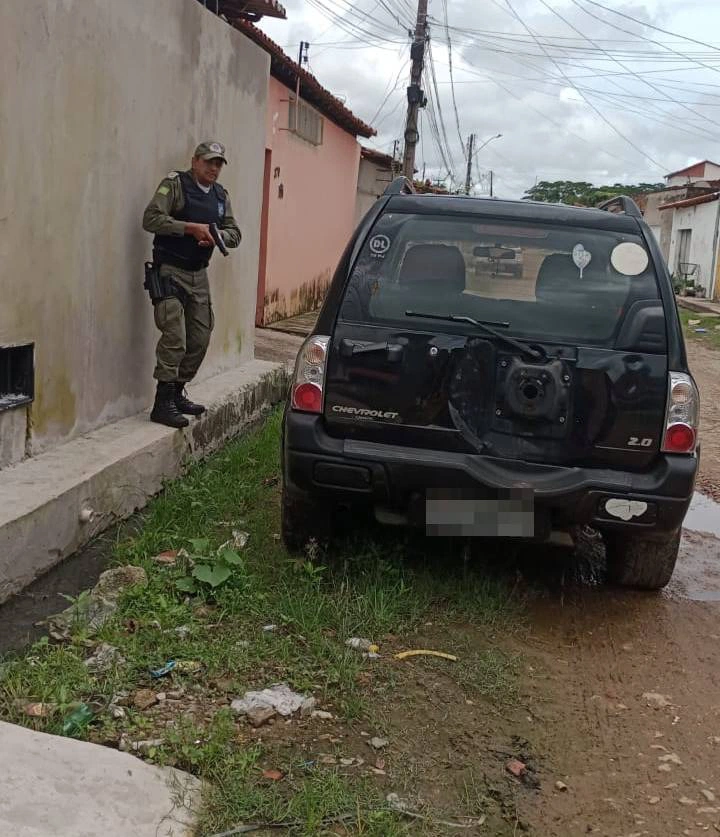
x=217, y=238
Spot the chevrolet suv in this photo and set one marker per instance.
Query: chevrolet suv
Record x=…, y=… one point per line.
x=483, y=367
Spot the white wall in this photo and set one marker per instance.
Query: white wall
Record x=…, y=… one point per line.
x=99, y=99
x=373, y=179
x=702, y=220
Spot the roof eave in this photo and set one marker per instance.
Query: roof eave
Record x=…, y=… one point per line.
x=287, y=71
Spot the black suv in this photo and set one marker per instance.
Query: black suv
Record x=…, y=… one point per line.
x=483, y=367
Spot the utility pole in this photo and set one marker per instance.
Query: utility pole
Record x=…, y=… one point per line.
x=491, y=176
x=415, y=95
x=303, y=54
x=396, y=143
x=471, y=144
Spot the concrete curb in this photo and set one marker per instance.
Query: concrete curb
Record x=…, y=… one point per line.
x=53, y=504
x=699, y=306
x=59, y=787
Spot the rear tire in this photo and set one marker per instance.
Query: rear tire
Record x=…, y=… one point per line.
x=301, y=520
x=641, y=562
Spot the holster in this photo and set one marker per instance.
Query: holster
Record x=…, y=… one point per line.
x=161, y=287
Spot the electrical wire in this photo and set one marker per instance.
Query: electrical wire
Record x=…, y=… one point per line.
x=650, y=26
x=387, y=97
x=452, y=78
x=637, y=148
x=438, y=106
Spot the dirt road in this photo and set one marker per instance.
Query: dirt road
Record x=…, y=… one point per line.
x=624, y=689
x=619, y=698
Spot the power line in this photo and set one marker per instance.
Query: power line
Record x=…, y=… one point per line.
x=624, y=67
x=440, y=118
x=452, y=79
x=650, y=26
x=590, y=104
x=385, y=100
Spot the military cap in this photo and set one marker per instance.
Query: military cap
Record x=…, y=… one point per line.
x=211, y=151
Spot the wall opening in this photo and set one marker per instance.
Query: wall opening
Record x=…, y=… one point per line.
x=17, y=375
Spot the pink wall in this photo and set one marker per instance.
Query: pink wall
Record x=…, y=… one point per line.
x=309, y=226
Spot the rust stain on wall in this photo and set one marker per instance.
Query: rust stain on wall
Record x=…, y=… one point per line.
x=308, y=297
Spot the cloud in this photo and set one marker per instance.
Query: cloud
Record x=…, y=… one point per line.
x=567, y=110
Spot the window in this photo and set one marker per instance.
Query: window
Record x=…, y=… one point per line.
x=683, y=253
x=309, y=123
x=537, y=280
x=17, y=385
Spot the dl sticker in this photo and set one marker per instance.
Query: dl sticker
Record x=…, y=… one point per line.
x=379, y=245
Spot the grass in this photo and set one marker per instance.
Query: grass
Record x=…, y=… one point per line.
x=381, y=586
x=707, y=321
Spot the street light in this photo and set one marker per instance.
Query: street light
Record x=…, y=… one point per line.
x=490, y=139
x=478, y=150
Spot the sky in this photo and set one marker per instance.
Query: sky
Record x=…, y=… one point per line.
x=577, y=88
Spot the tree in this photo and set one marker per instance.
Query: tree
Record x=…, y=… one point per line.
x=581, y=193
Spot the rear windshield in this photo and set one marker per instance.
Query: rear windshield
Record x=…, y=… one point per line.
x=568, y=284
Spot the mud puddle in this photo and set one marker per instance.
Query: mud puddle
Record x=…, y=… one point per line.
x=703, y=516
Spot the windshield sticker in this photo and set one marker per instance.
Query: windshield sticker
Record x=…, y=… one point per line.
x=379, y=245
x=581, y=257
x=629, y=258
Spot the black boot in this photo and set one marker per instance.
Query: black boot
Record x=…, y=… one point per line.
x=184, y=404
x=165, y=409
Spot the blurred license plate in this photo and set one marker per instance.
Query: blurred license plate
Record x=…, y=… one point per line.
x=450, y=515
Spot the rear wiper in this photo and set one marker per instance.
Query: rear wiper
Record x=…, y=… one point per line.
x=486, y=326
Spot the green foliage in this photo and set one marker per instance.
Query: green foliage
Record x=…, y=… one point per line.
x=208, y=569
x=582, y=193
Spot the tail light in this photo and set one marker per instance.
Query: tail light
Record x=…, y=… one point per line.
x=681, y=415
x=307, y=389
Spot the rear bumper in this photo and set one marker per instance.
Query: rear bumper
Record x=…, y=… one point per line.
x=398, y=480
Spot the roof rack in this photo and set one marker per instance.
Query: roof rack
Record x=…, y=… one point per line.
x=400, y=186
x=622, y=205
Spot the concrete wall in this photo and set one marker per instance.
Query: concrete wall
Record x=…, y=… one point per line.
x=709, y=172
x=661, y=220
x=311, y=209
x=373, y=179
x=702, y=219
x=98, y=101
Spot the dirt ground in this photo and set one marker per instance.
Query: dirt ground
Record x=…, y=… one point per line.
x=619, y=697
x=705, y=366
x=613, y=704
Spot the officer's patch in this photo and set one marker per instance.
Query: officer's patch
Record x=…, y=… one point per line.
x=221, y=209
x=163, y=190
x=172, y=175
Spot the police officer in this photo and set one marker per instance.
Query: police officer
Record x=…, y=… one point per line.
x=180, y=215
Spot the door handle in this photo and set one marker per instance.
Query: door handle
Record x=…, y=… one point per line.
x=349, y=348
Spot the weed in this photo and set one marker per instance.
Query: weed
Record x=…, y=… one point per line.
x=211, y=607
x=710, y=337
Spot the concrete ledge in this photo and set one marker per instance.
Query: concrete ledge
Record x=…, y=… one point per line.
x=59, y=787
x=699, y=306
x=110, y=473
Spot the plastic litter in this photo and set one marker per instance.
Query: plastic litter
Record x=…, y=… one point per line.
x=77, y=721
x=163, y=671
x=424, y=652
x=105, y=657
x=279, y=697
x=361, y=644
x=700, y=331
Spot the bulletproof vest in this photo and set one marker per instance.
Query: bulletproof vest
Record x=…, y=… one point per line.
x=198, y=208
